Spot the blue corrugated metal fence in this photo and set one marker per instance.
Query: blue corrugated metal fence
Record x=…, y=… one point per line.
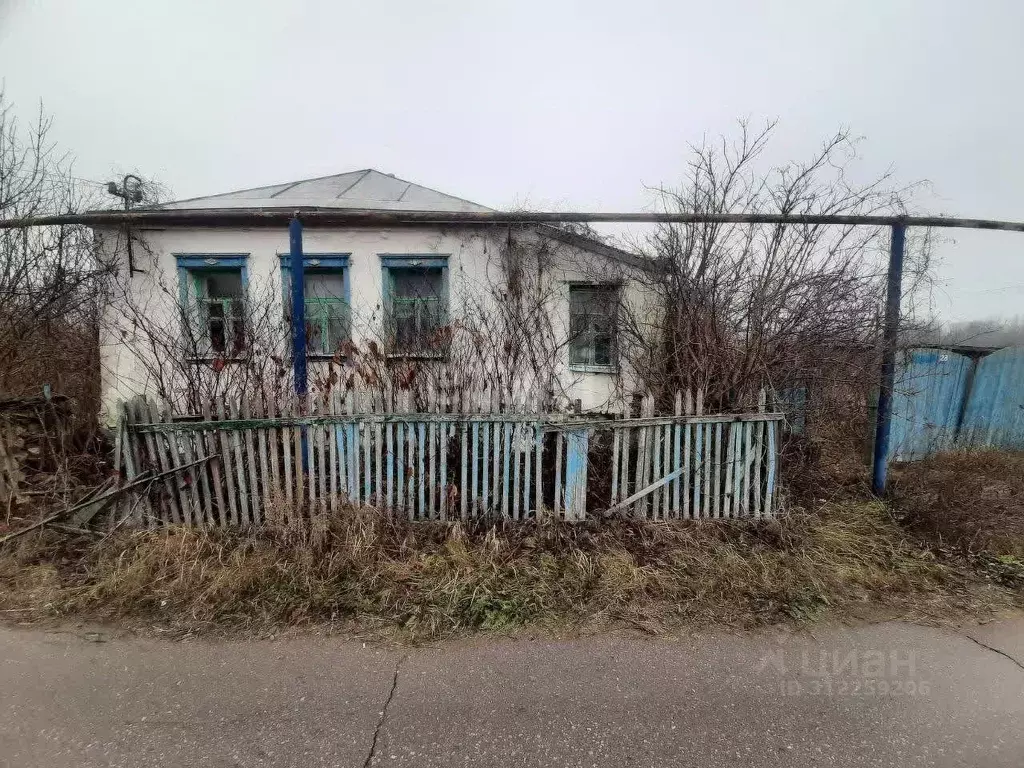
x=944, y=400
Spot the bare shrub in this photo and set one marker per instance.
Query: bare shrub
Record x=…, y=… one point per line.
x=752, y=305
x=49, y=281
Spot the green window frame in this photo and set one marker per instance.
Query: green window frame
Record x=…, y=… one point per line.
x=416, y=323
x=328, y=318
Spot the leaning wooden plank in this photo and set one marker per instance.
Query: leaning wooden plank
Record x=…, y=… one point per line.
x=210, y=442
x=146, y=459
x=188, y=456
x=109, y=496
x=655, y=486
x=129, y=453
x=176, y=457
x=197, y=445
x=164, y=461
x=229, y=468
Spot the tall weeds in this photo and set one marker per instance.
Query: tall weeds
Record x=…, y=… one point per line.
x=370, y=571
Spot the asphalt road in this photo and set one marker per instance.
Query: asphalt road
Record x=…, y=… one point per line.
x=886, y=694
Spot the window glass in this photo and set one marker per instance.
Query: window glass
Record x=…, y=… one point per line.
x=592, y=324
x=217, y=313
x=327, y=310
x=418, y=308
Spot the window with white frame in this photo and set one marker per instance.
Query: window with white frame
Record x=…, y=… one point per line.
x=212, y=290
x=328, y=310
x=593, y=320
x=416, y=299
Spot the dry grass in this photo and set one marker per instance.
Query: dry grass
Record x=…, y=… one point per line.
x=367, y=571
x=972, y=499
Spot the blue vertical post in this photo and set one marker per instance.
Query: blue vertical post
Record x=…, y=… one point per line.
x=893, y=297
x=298, y=322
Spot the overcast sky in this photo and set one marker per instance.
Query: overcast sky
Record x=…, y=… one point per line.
x=547, y=104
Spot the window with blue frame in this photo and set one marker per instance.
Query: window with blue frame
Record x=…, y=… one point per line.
x=416, y=303
x=328, y=306
x=212, y=292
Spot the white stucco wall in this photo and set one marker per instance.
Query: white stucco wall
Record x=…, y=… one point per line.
x=472, y=262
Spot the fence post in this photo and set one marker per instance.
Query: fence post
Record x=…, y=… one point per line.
x=298, y=276
x=893, y=295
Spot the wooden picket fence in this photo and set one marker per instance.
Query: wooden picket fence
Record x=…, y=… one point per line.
x=239, y=458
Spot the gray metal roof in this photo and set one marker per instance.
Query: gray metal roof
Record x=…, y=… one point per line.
x=365, y=190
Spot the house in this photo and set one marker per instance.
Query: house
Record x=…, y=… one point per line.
x=203, y=306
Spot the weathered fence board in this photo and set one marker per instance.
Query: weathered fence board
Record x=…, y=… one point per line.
x=499, y=460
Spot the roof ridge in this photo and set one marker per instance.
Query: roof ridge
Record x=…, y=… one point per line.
x=362, y=176
x=286, y=184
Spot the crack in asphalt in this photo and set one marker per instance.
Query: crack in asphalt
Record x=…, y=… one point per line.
x=994, y=650
x=384, y=714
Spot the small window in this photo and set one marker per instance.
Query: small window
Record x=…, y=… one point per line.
x=593, y=314
x=328, y=313
x=417, y=303
x=213, y=300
